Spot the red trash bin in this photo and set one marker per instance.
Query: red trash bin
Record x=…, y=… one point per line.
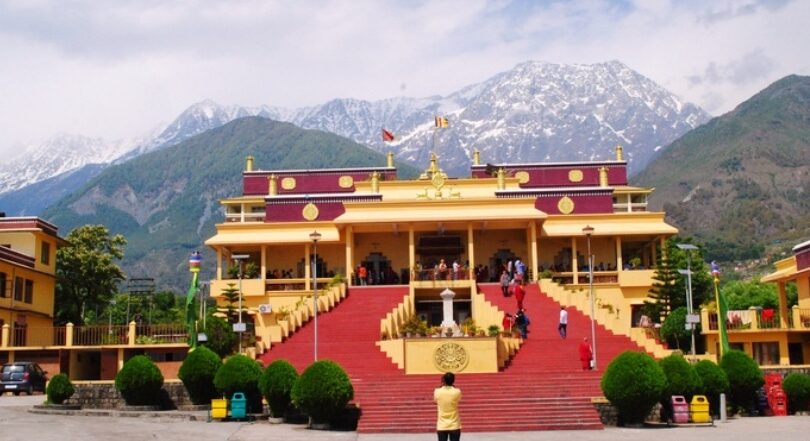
x=772, y=380
x=777, y=400
x=680, y=409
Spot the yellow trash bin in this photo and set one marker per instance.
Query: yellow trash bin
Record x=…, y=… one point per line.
x=699, y=409
x=219, y=409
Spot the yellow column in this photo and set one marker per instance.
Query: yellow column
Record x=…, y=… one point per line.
x=242, y=213
x=120, y=359
x=69, y=334
x=784, y=355
x=412, y=253
x=219, y=263
x=131, y=334
x=533, y=239
x=307, y=272
x=574, y=260
x=470, y=248
x=619, y=262
x=350, y=255
x=5, y=335
x=264, y=262
x=783, y=311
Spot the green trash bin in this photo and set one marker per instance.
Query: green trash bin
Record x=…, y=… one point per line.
x=699, y=409
x=238, y=406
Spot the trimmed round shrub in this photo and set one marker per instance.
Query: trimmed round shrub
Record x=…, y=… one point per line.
x=633, y=382
x=240, y=374
x=197, y=374
x=59, y=389
x=276, y=385
x=715, y=382
x=682, y=379
x=797, y=388
x=322, y=390
x=744, y=379
x=139, y=381
x=221, y=338
x=673, y=330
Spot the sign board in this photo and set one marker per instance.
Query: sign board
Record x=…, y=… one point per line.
x=689, y=326
x=239, y=327
x=692, y=318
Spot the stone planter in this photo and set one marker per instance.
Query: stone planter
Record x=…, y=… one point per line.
x=150, y=408
x=194, y=407
x=58, y=406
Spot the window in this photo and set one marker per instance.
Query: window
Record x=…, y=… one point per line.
x=45, y=253
x=29, y=291
x=18, y=289
x=766, y=353
x=3, y=285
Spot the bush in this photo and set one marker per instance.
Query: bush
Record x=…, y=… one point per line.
x=139, y=381
x=197, y=374
x=797, y=388
x=682, y=379
x=674, y=332
x=59, y=389
x=276, y=384
x=322, y=390
x=744, y=379
x=240, y=374
x=715, y=382
x=633, y=382
x=221, y=338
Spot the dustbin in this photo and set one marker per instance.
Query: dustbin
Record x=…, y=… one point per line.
x=680, y=410
x=777, y=400
x=238, y=406
x=219, y=409
x=699, y=409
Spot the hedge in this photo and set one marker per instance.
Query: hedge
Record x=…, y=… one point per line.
x=240, y=374
x=797, y=388
x=633, y=382
x=276, y=385
x=322, y=390
x=139, y=381
x=744, y=379
x=197, y=374
x=59, y=389
x=682, y=379
x=715, y=382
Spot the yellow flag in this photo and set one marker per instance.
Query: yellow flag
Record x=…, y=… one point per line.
x=441, y=122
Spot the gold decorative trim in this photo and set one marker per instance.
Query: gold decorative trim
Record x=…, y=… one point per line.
x=288, y=183
x=523, y=176
x=450, y=357
x=346, y=181
x=566, y=205
x=575, y=175
x=310, y=212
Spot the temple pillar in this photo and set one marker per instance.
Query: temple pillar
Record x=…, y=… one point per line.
x=350, y=255
x=783, y=310
x=242, y=213
x=533, y=251
x=412, y=253
x=219, y=263
x=307, y=264
x=470, y=251
x=784, y=354
x=264, y=262
x=619, y=262
x=447, y=309
x=574, y=260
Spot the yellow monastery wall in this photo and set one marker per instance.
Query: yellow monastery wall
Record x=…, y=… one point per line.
x=286, y=257
x=482, y=355
x=488, y=243
x=393, y=247
x=334, y=255
x=803, y=285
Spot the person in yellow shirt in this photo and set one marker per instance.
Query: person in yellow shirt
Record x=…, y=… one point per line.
x=447, y=397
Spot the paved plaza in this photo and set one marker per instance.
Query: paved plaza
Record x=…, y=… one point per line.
x=16, y=423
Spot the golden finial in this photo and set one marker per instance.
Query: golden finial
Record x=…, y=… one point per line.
x=603, y=176
x=501, y=175
x=375, y=182
x=390, y=160
x=434, y=167
x=476, y=157
x=272, y=185
x=619, y=153
x=249, y=163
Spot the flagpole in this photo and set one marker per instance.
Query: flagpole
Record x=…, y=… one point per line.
x=721, y=310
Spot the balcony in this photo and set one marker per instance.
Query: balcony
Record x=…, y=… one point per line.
x=58, y=337
x=758, y=320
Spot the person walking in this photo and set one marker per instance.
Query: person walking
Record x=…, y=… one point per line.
x=508, y=322
x=522, y=321
x=585, y=354
x=362, y=273
x=562, y=328
x=520, y=294
x=505, y=283
x=447, y=397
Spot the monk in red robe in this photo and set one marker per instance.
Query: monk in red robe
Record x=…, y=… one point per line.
x=520, y=294
x=585, y=354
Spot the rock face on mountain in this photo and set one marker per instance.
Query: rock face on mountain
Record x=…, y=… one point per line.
x=166, y=202
x=534, y=112
x=741, y=181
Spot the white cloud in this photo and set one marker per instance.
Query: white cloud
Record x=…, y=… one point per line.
x=116, y=69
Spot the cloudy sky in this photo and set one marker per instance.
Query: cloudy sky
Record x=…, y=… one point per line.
x=118, y=69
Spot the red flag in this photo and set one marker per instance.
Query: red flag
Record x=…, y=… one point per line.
x=387, y=136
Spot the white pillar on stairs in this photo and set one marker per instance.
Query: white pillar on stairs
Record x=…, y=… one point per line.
x=447, y=299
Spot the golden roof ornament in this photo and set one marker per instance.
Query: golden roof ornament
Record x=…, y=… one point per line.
x=619, y=153
x=249, y=163
x=390, y=158
x=603, y=176
x=433, y=169
x=272, y=187
x=375, y=182
x=476, y=157
x=501, y=175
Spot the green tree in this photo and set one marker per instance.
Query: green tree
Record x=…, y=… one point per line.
x=231, y=296
x=743, y=295
x=674, y=331
x=87, y=272
x=665, y=292
x=669, y=290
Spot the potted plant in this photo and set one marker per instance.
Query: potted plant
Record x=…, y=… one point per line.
x=494, y=330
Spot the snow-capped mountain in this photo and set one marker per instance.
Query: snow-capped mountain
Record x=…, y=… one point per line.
x=535, y=112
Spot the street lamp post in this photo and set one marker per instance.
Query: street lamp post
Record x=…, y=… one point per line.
x=588, y=230
x=688, y=247
x=240, y=327
x=315, y=236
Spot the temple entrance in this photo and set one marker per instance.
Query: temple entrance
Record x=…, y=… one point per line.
x=431, y=249
x=498, y=261
x=380, y=271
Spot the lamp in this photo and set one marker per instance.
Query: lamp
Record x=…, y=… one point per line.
x=588, y=231
x=315, y=236
x=240, y=327
x=690, y=320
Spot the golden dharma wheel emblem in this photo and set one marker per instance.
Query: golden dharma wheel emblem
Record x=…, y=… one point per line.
x=346, y=182
x=288, y=183
x=523, y=176
x=310, y=212
x=566, y=205
x=450, y=357
x=575, y=176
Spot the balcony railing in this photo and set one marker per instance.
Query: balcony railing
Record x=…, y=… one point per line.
x=758, y=319
x=96, y=335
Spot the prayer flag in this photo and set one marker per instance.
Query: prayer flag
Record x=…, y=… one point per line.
x=722, y=309
x=387, y=136
x=441, y=122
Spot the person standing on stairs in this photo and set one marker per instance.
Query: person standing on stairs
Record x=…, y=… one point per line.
x=362, y=274
x=505, y=283
x=520, y=294
x=522, y=321
x=585, y=354
x=562, y=328
x=447, y=397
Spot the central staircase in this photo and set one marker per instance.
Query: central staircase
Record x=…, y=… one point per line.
x=543, y=387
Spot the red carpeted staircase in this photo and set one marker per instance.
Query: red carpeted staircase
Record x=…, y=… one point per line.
x=543, y=388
